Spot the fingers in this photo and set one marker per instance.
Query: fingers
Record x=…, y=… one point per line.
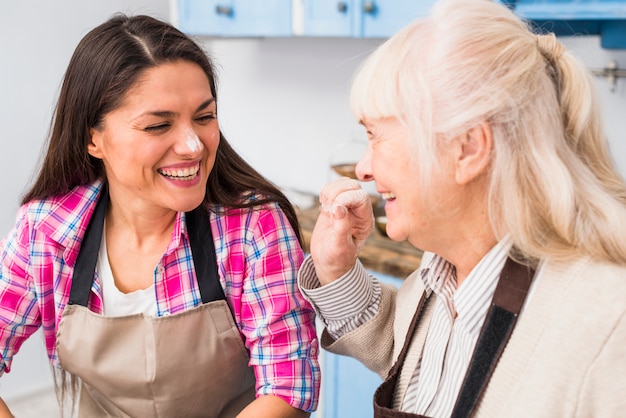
x=352, y=199
x=344, y=192
x=348, y=208
x=344, y=224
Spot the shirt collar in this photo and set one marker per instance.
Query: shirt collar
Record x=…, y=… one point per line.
x=180, y=230
x=439, y=277
x=470, y=302
x=64, y=219
x=473, y=297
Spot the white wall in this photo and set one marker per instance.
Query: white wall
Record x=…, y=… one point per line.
x=283, y=103
x=613, y=103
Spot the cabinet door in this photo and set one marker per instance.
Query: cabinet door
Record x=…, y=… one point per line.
x=381, y=19
x=360, y=18
x=329, y=17
x=235, y=18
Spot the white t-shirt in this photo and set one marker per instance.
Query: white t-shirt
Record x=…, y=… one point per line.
x=116, y=303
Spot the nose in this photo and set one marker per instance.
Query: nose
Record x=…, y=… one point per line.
x=188, y=143
x=363, y=168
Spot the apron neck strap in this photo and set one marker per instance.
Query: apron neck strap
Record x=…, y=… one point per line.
x=200, y=240
x=203, y=251
x=506, y=305
x=88, y=254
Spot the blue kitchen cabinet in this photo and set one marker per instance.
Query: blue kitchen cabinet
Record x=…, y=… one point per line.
x=360, y=18
x=606, y=18
x=382, y=18
x=235, y=18
x=328, y=18
x=348, y=386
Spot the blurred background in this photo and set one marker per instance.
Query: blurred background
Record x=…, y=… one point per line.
x=283, y=102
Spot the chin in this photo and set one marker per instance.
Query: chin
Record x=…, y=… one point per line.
x=187, y=205
x=393, y=235
x=397, y=234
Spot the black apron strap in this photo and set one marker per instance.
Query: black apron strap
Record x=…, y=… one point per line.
x=202, y=249
x=383, y=397
x=511, y=291
x=88, y=254
x=507, y=302
x=204, y=259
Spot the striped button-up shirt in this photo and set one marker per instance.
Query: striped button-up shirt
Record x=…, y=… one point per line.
x=453, y=332
x=352, y=300
x=258, y=257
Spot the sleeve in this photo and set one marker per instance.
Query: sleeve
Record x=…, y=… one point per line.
x=344, y=304
x=363, y=311
x=19, y=312
x=278, y=322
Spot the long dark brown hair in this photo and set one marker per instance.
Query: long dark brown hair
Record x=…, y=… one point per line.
x=105, y=64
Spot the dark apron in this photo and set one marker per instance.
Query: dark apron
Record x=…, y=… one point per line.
x=505, y=307
x=190, y=364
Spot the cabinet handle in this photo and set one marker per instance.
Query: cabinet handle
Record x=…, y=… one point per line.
x=224, y=10
x=342, y=7
x=369, y=7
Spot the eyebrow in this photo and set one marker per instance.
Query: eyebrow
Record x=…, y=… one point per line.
x=167, y=113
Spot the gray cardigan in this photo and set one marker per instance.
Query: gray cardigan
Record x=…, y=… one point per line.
x=566, y=356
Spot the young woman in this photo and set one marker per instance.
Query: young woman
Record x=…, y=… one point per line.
x=160, y=265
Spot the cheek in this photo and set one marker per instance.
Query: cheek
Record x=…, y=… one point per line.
x=211, y=139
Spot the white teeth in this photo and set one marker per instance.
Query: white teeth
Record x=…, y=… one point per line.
x=181, y=173
x=388, y=196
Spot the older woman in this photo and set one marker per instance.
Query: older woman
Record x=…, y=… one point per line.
x=160, y=265
x=485, y=141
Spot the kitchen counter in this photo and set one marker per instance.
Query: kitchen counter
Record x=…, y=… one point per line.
x=380, y=254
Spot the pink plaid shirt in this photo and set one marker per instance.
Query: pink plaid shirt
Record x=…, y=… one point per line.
x=258, y=257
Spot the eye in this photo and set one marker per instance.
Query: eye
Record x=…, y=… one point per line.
x=157, y=128
x=206, y=118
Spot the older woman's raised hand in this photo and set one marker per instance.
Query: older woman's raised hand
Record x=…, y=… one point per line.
x=345, y=221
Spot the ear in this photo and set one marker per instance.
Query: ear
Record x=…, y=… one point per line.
x=94, y=148
x=475, y=148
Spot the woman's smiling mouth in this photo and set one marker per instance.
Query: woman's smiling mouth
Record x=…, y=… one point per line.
x=180, y=173
x=388, y=196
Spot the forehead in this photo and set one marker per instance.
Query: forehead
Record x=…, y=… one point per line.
x=171, y=76
x=383, y=123
x=178, y=79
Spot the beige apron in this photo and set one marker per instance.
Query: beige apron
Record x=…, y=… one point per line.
x=191, y=364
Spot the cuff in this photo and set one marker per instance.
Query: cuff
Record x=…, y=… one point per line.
x=348, y=296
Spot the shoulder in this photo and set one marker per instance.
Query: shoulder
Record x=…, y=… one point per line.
x=586, y=280
x=258, y=220
x=569, y=339
x=60, y=217
x=581, y=303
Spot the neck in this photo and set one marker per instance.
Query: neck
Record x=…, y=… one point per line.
x=466, y=257
x=141, y=226
x=465, y=234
